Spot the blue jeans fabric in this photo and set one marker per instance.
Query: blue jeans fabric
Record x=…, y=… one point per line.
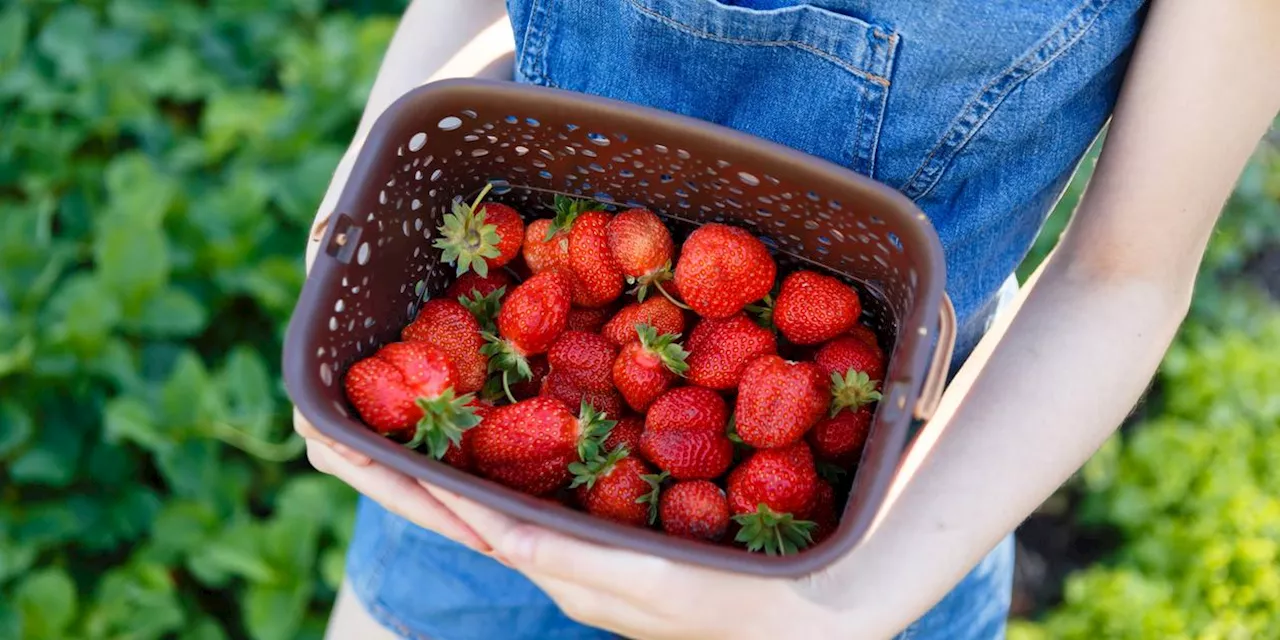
x=978, y=110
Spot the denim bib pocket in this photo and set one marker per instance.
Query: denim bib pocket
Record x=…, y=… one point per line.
x=802, y=76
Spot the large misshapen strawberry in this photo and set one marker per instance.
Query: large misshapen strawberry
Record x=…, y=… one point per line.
x=533, y=315
x=658, y=313
x=597, y=278
x=647, y=367
x=561, y=386
x=613, y=486
x=685, y=435
x=643, y=249
x=546, y=241
x=813, y=308
x=529, y=446
x=719, y=350
x=480, y=237
x=770, y=494
x=722, y=269
x=445, y=324
x=696, y=509
x=406, y=390
x=585, y=358
x=779, y=401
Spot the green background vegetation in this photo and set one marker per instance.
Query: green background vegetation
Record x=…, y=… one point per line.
x=160, y=162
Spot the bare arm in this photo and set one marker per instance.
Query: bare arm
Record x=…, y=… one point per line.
x=1045, y=390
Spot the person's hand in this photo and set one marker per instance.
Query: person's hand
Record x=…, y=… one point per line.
x=646, y=597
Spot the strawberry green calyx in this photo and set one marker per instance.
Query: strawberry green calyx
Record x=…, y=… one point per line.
x=484, y=308
x=664, y=346
x=654, y=279
x=505, y=359
x=593, y=428
x=852, y=390
x=762, y=313
x=465, y=238
x=567, y=210
x=655, y=481
x=772, y=532
x=588, y=471
x=444, y=418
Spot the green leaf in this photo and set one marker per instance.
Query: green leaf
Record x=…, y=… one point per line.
x=47, y=600
x=275, y=612
x=82, y=312
x=333, y=565
x=189, y=397
x=205, y=629
x=138, y=194
x=67, y=39
x=236, y=551
x=171, y=313
x=13, y=36
x=135, y=601
x=247, y=387
x=53, y=459
x=181, y=527
x=129, y=419
x=132, y=261
x=15, y=558
x=16, y=428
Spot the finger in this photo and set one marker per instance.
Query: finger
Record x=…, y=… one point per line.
x=531, y=549
x=402, y=496
x=305, y=429
x=601, y=609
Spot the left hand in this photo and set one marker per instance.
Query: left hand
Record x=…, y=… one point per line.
x=646, y=597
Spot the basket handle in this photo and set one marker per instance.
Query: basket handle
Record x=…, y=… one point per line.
x=935, y=383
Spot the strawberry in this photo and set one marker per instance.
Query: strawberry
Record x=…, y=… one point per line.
x=839, y=438
x=719, y=350
x=779, y=400
x=546, y=241
x=598, y=278
x=405, y=390
x=561, y=386
x=769, y=494
x=613, y=486
x=688, y=454
x=813, y=308
x=856, y=370
x=445, y=324
x=696, y=509
x=644, y=369
x=585, y=358
x=471, y=283
x=866, y=334
x=532, y=317
x=625, y=434
x=643, y=249
x=656, y=312
x=589, y=320
x=529, y=445
x=722, y=269
x=688, y=409
x=480, y=237
x=824, y=516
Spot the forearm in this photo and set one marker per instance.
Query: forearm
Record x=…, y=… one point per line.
x=1048, y=387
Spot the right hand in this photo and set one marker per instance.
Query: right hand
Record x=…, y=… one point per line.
x=398, y=493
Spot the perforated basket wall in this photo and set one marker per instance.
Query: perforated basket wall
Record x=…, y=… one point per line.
x=446, y=140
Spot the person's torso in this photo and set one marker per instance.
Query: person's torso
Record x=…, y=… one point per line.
x=977, y=110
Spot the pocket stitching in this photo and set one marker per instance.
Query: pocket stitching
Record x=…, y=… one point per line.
x=975, y=114
x=675, y=24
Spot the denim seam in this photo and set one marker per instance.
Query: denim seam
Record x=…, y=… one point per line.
x=533, y=63
x=978, y=110
x=765, y=43
x=877, y=119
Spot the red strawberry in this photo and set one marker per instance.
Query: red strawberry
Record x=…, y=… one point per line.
x=824, y=516
x=625, y=434
x=532, y=317
x=524, y=389
x=695, y=509
x=447, y=325
x=856, y=370
x=598, y=279
x=688, y=409
x=529, y=445
x=546, y=242
x=480, y=237
x=656, y=312
x=561, y=386
x=839, y=439
x=722, y=269
x=778, y=401
x=813, y=308
x=613, y=487
x=589, y=320
x=865, y=334
x=585, y=358
x=471, y=283
x=769, y=493
x=642, y=246
x=687, y=454
x=719, y=350
x=406, y=390
x=644, y=369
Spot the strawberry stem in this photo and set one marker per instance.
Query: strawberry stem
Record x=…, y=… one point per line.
x=665, y=347
x=504, y=357
x=481, y=195
x=506, y=387
x=655, y=481
x=772, y=532
x=589, y=471
x=852, y=390
x=465, y=240
x=668, y=296
x=444, y=418
x=593, y=428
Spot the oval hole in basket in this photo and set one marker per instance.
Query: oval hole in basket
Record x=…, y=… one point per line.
x=449, y=123
x=748, y=178
x=511, y=119
x=417, y=141
x=599, y=139
x=500, y=186
x=895, y=241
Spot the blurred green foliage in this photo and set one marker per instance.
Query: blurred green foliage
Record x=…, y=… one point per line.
x=160, y=163
x=1194, y=488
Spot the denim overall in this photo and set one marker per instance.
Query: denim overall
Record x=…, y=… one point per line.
x=977, y=110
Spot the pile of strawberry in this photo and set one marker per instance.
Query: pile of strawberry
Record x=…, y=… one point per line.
x=555, y=365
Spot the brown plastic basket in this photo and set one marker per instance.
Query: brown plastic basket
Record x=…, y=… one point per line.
x=447, y=139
